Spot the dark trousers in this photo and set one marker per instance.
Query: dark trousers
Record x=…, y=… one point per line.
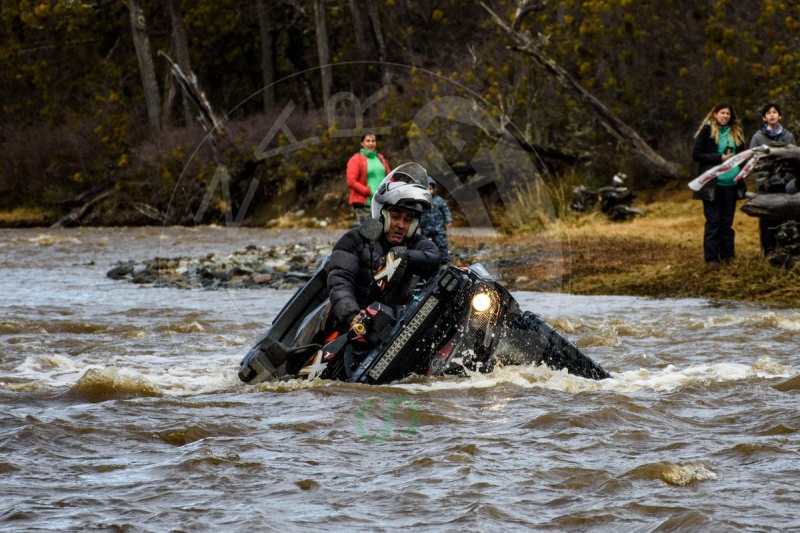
x=765, y=225
x=363, y=212
x=440, y=240
x=719, y=235
x=767, y=233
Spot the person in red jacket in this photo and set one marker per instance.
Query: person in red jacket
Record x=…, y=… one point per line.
x=365, y=171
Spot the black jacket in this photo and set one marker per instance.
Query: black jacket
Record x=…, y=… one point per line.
x=351, y=267
x=706, y=153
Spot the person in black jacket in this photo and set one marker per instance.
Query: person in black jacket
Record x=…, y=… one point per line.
x=719, y=138
x=361, y=271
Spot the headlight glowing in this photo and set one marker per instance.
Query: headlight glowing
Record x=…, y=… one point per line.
x=481, y=302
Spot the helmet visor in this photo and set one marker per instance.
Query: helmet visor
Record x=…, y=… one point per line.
x=411, y=172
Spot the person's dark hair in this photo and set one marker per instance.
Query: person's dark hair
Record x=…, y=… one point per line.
x=724, y=105
x=736, y=128
x=766, y=108
x=368, y=133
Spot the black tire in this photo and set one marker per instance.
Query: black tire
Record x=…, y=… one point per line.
x=540, y=342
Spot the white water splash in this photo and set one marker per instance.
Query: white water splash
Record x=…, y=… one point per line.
x=49, y=240
x=682, y=475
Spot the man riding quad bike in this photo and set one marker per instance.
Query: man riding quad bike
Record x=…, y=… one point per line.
x=380, y=309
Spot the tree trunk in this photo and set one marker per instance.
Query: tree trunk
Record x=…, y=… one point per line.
x=267, y=56
x=146, y=68
x=657, y=164
x=180, y=44
x=361, y=46
x=321, y=22
x=169, y=98
x=375, y=20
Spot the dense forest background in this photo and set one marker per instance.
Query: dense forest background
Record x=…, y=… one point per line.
x=94, y=126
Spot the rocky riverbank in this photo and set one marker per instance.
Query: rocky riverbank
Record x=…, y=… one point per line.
x=274, y=267
x=281, y=266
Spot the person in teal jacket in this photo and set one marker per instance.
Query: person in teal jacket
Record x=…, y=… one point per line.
x=719, y=138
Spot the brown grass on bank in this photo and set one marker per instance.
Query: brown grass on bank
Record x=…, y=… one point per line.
x=660, y=255
x=24, y=217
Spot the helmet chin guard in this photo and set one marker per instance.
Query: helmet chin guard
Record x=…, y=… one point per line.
x=406, y=187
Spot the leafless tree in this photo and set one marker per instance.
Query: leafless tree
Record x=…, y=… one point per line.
x=267, y=53
x=142, y=44
x=323, y=49
x=526, y=44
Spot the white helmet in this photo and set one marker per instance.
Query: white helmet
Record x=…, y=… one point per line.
x=406, y=187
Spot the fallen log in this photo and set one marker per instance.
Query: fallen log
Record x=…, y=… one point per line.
x=776, y=206
x=780, y=159
x=73, y=218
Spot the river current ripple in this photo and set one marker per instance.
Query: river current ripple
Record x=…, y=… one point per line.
x=121, y=411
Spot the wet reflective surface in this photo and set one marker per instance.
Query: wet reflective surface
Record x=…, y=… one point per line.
x=121, y=410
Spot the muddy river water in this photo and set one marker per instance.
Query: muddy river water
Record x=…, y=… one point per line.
x=122, y=411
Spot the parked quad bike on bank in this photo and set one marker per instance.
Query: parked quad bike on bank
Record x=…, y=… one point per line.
x=461, y=320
